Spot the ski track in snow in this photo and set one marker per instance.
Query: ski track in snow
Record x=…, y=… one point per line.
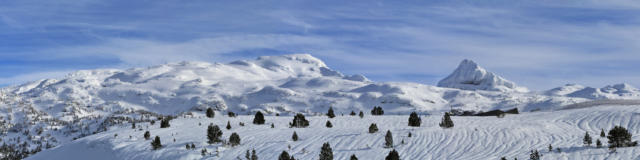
x=470, y=138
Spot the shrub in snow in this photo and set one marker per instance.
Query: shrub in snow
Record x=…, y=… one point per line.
x=234, y=139
x=294, y=137
x=414, y=120
x=147, y=135
x=258, y=118
x=156, y=144
x=325, y=152
x=330, y=113
x=210, y=113
x=299, y=121
x=377, y=111
x=328, y=124
x=373, y=128
x=393, y=155
x=446, y=121
x=213, y=134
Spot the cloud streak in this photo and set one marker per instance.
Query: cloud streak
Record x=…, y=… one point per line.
x=536, y=44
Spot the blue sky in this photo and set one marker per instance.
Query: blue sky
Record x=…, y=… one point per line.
x=537, y=44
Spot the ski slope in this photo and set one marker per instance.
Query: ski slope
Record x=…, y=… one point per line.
x=471, y=138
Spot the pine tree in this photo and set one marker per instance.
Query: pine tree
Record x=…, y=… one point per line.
x=210, y=113
x=203, y=152
x=325, y=152
x=409, y=134
x=353, y=157
x=352, y=113
x=258, y=118
x=164, y=123
x=228, y=125
x=388, y=140
x=328, y=124
x=253, y=155
x=213, y=134
x=361, y=114
x=133, y=125
x=330, y=113
x=598, y=143
x=247, y=155
x=299, y=121
x=156, y=144
x=272, y=126
x=193, y=146
x=414, y=120
x=602, y=133
x=147, y=135
x=234, y=139
x=373, y=128
x=231, y=114
x=187, y=146
x=294, y=137
x=503, y=158
x=587, y=139
x=393, y=155
x=550, y=148
x=284, y=156
x=377, y=110
x=534, y=155
x=619, y=137
x=446, y=121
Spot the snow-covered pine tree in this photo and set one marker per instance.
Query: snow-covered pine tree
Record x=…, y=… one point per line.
x=213, y=134
x=602, y=133
x=247, y=155
x=147, y=135
x=156, y=144
x=210, y=113
x=393, y=155
x=587, y=139
x=414, y=120
x=330, y=113
x=328, y=124
x=258, y=118
x=228, y=125
x=373, y=128
x=234, y=139
x=325, y=152
x=598, y=143
x=446, y=121
x=388, y=140
x=294, y=137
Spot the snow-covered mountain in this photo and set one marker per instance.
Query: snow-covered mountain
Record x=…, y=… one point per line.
x=470, y=76
x=617, y=91
x=90, y=101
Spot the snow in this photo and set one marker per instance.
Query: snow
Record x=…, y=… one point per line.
x=87, y=102
x=470, y=76
x=471, y=137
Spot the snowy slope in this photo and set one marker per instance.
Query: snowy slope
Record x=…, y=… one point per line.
x=87, y=102
x=471, y=138
x=617, y=91
x=470, y=76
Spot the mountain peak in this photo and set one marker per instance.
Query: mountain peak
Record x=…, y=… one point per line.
x=470, y=76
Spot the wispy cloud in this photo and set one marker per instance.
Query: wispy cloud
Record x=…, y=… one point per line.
x=538, y=44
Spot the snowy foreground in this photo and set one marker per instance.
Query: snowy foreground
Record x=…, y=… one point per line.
x=471, y=138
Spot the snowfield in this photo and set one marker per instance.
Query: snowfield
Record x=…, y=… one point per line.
x=471, y=137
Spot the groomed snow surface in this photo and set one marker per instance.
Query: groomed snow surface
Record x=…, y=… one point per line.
x=471, y=138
